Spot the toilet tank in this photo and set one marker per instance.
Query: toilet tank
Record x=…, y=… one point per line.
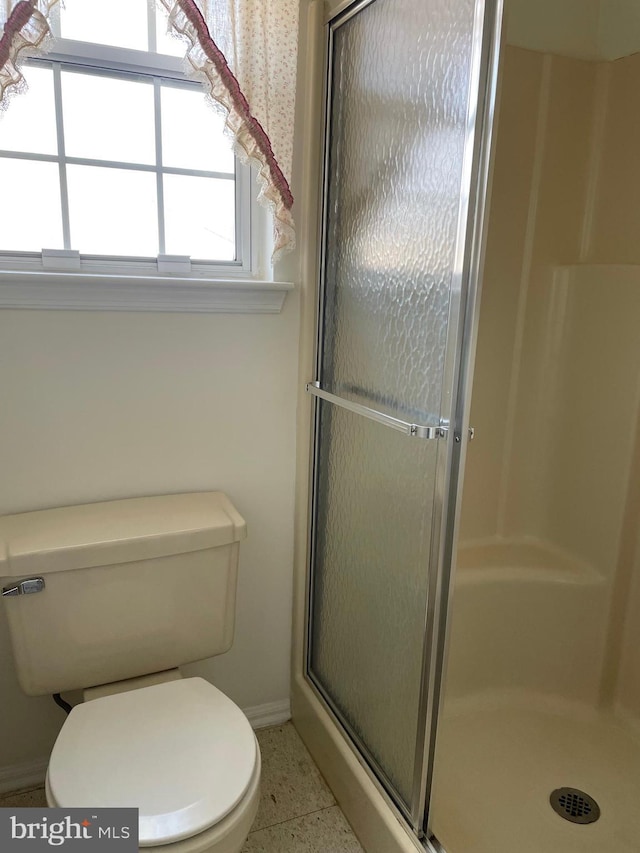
x=129, y=587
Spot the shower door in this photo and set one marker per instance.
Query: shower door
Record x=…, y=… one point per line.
x=409, y=97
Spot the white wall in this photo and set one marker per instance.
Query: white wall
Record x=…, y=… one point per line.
x=95, y=406
x=565, y=27
x=618, y=28
x=584, y=29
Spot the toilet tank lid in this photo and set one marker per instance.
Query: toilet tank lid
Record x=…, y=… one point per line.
x=121, y=531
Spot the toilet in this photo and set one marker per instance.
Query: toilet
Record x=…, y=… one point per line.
x=112, y=599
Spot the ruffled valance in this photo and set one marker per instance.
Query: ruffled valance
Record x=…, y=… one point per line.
x=245, y=54
x=24, y=27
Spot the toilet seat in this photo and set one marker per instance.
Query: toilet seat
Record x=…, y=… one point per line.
x=181, y=752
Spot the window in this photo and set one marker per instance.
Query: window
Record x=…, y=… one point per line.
x=114, y=161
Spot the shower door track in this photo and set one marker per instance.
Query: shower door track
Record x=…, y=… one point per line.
x=361, y=751
x=373, y=770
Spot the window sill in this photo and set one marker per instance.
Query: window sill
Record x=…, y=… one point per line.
x=28, y=289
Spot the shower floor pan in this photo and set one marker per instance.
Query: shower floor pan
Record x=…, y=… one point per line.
x=499, y=761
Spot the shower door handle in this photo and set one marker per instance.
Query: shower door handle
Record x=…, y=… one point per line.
x=412, y=430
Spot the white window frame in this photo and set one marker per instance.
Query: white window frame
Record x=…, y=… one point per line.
x=66, y=280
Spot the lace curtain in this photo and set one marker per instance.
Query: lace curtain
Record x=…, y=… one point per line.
x=245, y=54
x=23, y=26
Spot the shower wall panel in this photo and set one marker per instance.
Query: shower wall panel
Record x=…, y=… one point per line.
x=627, y=696
x=513, y=175
x=538, y=199
x=558, y=353
x=615, y=242
x=616, y=230
x=555, y=201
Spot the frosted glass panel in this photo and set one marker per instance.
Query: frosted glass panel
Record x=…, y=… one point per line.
x=399, y=102
x=375, y=504
x=398, y=131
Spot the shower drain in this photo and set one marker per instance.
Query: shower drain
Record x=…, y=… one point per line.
x=574, y=805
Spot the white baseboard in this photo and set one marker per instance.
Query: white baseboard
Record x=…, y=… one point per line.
x=19, y=777
x=30, y=774
x=269, y=714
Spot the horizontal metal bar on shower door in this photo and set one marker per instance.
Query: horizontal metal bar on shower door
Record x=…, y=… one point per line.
x=412, y=430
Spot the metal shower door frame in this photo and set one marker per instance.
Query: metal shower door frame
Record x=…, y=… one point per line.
x=454, y=428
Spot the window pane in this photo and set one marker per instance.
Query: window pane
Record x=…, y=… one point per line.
x=30, y=122
x=119, y=22
x=112, y=211
x=192, y=135
x=165, y=43
x=108, y=119
x=32, y=197
x=200, y=217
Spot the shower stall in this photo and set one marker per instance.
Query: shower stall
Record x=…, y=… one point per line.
x=472, y=645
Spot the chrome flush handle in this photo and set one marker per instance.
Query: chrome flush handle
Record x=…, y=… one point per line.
x=25, y=587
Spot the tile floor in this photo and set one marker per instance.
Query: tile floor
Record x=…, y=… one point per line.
x=297, y=812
